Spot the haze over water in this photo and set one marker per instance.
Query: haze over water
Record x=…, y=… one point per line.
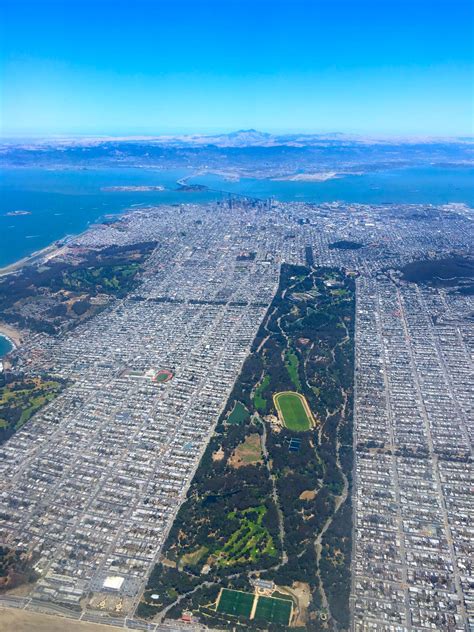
x=64, y=202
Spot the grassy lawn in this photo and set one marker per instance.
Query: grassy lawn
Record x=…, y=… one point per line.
x=239, y=414
x=291, y=408
x=260, y=402
x=19, y=401
x=110, y=279
x=292, y=367
x=249, y=542
x=191, y=559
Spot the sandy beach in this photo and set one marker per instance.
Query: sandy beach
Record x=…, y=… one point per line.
x=14, y=620
x=14, y=335
x=49, y=251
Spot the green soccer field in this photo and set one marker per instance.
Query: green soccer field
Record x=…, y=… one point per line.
x=273, y=610
x=236, y=603
x=292, y=411
x=163, y=376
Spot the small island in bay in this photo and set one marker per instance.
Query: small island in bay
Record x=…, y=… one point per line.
x=17, y=213
x=192, y=187
x=309, y=177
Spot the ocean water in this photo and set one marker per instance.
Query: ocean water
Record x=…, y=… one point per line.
x=431, y=185
x=5, y=346
x=63, y=202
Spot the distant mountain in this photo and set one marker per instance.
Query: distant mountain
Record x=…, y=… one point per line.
x=240, y=138
x=245, y=137
x=255, y=138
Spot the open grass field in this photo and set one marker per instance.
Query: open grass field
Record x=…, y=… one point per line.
x=235, y=602
x=293, y=411
x=274, y=610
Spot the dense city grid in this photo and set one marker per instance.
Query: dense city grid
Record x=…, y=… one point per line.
x=91, y=484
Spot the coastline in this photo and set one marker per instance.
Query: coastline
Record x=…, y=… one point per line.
x=13, y=335
x=45, y=254
x=15, y=619
x=50, y=250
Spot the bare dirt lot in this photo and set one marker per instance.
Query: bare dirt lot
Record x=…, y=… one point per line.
x=13, y=620
x=247, y=453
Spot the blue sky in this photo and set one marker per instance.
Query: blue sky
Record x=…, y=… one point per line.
x=170, y=66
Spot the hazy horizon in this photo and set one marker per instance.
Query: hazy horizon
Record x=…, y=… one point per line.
x=185, y=133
